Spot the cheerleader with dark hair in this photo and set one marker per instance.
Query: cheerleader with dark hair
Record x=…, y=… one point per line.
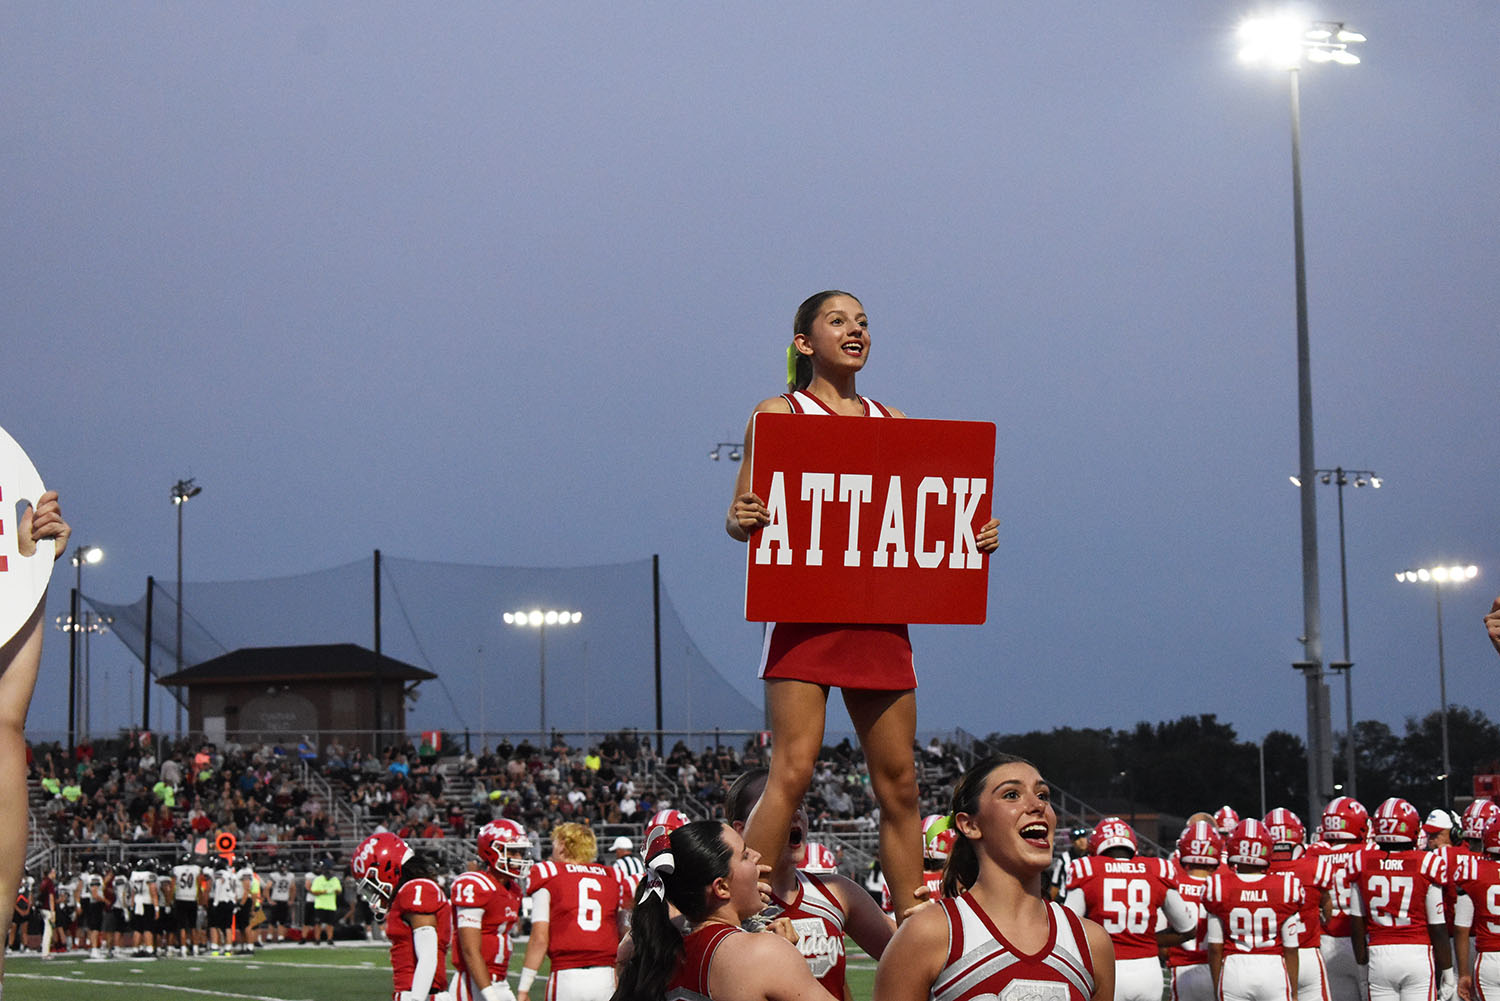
x=706, y=871
x=994, y=933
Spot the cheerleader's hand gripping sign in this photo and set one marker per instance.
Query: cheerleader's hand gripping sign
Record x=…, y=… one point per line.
x=23, y=579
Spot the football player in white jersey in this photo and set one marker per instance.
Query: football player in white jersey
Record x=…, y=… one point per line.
x=283, y=900
x=143, y=908
x=186, y=875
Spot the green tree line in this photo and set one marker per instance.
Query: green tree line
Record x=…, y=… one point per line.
x=1196, y=763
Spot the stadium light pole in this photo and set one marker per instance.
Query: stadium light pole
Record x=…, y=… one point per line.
x=1284, y=42
x=1340, y=477
x=182, y=492
x=539, y=620
x=71, y=624
x=1437, y=577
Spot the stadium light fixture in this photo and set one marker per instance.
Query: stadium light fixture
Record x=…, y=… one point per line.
x=539, y=620
x=1437, y=576
x=734, y=450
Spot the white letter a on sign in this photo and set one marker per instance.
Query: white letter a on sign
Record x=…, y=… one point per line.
x=776, y=533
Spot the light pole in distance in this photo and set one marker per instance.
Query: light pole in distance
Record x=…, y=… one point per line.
x=1437, y=577
x=1284, y=42
x=539, y=620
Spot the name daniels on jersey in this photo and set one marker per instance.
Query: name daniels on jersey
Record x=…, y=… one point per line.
x=1124, y=867
x=893, y=548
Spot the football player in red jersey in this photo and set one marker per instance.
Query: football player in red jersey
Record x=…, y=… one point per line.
x=1126, y=895
x=822, y=907
x=576, y=907
x=1476, y=819
x=711, y=877
x=486, y=907
x=1226, y=819
x=1477, y=921
x=1398, y=904
x=1253, y=923
x=1344, y=826
x=994, y=934
x=1200, y=851
x=398, y=885
x=1315, y=872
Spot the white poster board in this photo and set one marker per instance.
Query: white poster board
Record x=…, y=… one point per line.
x=23, y=579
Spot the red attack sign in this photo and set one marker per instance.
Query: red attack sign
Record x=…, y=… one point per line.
x=872, y=520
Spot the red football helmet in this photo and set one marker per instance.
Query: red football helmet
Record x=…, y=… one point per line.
x=818, y=858
x=1225, y=819
x=1477, y=817
x=1396, y=821
x=1491, y=838
x=1250, y=843
x=1286, y=829
x=1344, y=819
x=938, y=836
x=1111, y=832
x=1200, y=844
x=377, y=869
x=504, y=847
x=659, y=828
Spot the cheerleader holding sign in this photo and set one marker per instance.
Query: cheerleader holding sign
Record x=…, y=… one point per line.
x=872, y=664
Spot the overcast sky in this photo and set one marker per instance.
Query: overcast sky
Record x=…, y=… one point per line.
x=484, y=282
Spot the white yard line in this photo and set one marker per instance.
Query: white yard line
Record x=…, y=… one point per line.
x=134, y=985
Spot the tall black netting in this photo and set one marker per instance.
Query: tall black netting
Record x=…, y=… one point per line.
x=447, y=618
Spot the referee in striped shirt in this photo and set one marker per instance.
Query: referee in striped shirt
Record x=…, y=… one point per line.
x=627, y=865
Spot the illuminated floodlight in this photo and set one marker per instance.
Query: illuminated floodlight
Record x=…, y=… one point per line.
x=1452, y=574
x=1285, y=40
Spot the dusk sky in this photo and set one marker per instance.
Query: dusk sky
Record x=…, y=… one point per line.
x=485, y=282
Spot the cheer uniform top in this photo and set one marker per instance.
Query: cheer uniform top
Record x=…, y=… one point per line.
x=982, y=964
x=690, y=982
x=857, y=655
x=818, y=917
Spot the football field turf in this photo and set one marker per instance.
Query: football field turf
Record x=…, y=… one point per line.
x=279, y=973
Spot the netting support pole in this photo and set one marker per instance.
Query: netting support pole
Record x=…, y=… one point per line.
x=379, y=663
x=146, y=665
x=656, y=638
